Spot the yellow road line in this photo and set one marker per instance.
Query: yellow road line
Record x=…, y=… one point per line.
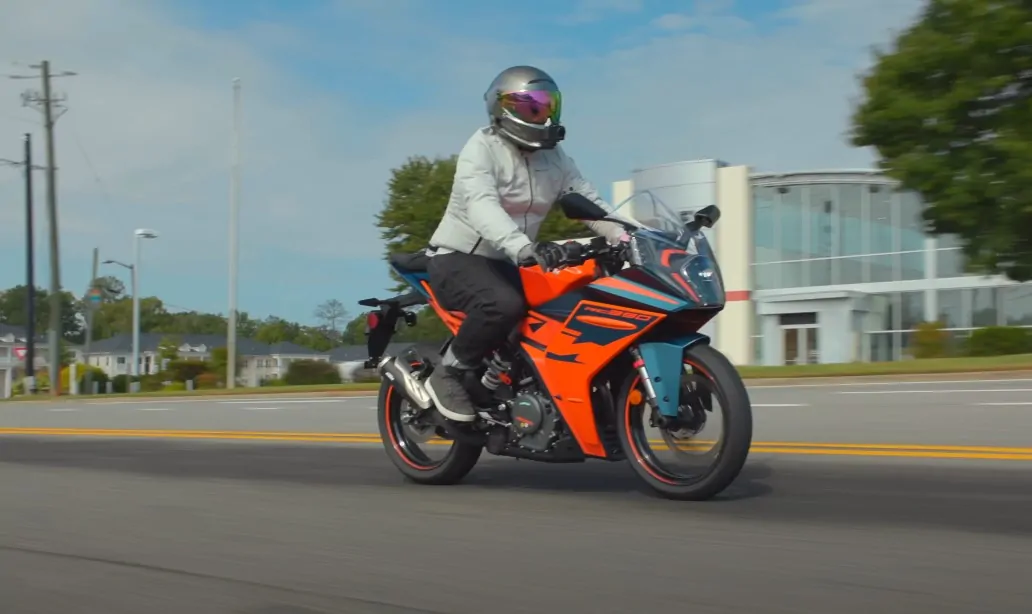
x=759, y=447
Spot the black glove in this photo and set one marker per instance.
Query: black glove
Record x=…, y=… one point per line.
x=547, y=254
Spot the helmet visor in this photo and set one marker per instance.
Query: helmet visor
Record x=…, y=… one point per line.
x=533, y=106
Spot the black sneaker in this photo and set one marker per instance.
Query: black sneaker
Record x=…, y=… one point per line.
x=450, y=395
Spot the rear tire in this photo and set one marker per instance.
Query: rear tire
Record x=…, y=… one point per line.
x=734, y=446
x=459, y=461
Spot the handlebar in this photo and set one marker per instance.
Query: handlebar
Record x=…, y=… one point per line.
x=575, y=253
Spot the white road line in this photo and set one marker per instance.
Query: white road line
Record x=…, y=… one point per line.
x=940, y=391
x=289, y=401
x=1005, y=404
x=145, y=401
x=63, y=409
x=262, y=408
x=153, y=409
x=780, y=405
x=893, y=383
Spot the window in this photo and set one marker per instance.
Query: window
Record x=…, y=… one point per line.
x=949, y=263
x=912, y=265
x=765, y=202
x=984, y=309
x=850, y=270
x=849, y=210
x=951, y=308
x=879, y=219
x=819, y=272
x=821, y=206
x=882, y=267
x=790, y=218
x=911, y=222
x=911, y=309
x=1017, y=305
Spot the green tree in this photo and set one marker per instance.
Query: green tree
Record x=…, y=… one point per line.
x=13, y=303
x=116, y=317
x=168, y=347
x=949, y=110
x=111, y=288
x=277, y=330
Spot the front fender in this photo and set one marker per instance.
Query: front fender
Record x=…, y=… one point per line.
x=664, y=361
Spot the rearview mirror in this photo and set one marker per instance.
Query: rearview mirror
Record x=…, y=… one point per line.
x=579, y=207
x=707, y=216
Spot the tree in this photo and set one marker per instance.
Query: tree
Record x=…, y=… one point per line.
x=949, y=111
x=13, y=311
x=168, y=347
x=111, y=288
x=331, y=313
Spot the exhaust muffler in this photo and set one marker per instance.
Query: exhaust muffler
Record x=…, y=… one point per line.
x=399, y=372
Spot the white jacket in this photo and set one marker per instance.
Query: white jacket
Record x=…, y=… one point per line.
x=502, y=194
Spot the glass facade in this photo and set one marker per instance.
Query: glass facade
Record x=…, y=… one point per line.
x=858, y=232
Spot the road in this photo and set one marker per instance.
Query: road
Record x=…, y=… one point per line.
x=174, y=523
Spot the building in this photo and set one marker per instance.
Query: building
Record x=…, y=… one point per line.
x=827, y=266
x=13, y=345
x=260, y=361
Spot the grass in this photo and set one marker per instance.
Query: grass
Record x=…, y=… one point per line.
x=1021, y=362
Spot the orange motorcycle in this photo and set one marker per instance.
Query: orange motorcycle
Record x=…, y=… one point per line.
x=608, y=364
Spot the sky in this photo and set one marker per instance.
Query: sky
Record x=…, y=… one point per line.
x=336, y=93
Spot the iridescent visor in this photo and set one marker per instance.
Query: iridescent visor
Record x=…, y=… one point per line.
x=534, y=106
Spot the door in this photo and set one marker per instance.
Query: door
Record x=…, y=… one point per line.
x=800, y=345
x=791, y=346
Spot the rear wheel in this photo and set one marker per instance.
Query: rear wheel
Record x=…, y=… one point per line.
x=708, y=379
x=405, y=434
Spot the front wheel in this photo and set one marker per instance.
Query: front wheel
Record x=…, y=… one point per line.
x=708, y=379
x=405, y=434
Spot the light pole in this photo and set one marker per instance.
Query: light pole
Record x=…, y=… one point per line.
x=134, y=270
x=132, y=283
x=141, y=233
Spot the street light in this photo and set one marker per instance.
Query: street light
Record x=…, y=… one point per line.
x=134, y=270
x=141, y=233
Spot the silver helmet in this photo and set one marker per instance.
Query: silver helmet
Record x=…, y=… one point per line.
x=525, y=106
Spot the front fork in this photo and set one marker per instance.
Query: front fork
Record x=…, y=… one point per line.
x=656, y=419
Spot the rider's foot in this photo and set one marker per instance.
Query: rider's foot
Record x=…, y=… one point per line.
x=446, y=388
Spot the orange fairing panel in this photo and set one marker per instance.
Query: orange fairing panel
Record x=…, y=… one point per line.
x=540, y=287
x=569, y=355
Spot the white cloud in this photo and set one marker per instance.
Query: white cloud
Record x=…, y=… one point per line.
x=151, y=109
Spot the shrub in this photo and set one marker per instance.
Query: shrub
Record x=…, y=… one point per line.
x=274, y=381
x=120, y=383
x=311, y=372
x=186, y=370
x=999, y=341
x=175, y=386
x=206, y=381
x=81, y=369
x=152, y=383
x=931, y=340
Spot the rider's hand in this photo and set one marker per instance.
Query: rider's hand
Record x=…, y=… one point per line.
x=549, y=255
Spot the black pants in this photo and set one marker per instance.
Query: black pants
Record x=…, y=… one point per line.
x=488, y=291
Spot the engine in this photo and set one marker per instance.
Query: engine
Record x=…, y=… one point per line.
x=535, y=421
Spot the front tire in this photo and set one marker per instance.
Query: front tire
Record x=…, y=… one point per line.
x=407, y=457
x=726, y=385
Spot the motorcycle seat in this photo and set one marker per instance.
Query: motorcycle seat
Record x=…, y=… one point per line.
x=411, y=263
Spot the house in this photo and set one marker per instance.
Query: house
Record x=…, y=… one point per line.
x=258, y=361
x=12, y=355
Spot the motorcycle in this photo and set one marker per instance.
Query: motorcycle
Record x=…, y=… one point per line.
x=610, y=343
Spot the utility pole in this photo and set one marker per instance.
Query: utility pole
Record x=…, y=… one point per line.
x=234, y=220
x=52, y=110
x=30, y=266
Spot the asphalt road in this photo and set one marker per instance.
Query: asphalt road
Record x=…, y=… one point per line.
x=963, y=412
x=90, y=524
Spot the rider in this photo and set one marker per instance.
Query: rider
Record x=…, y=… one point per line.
x=509, y=175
